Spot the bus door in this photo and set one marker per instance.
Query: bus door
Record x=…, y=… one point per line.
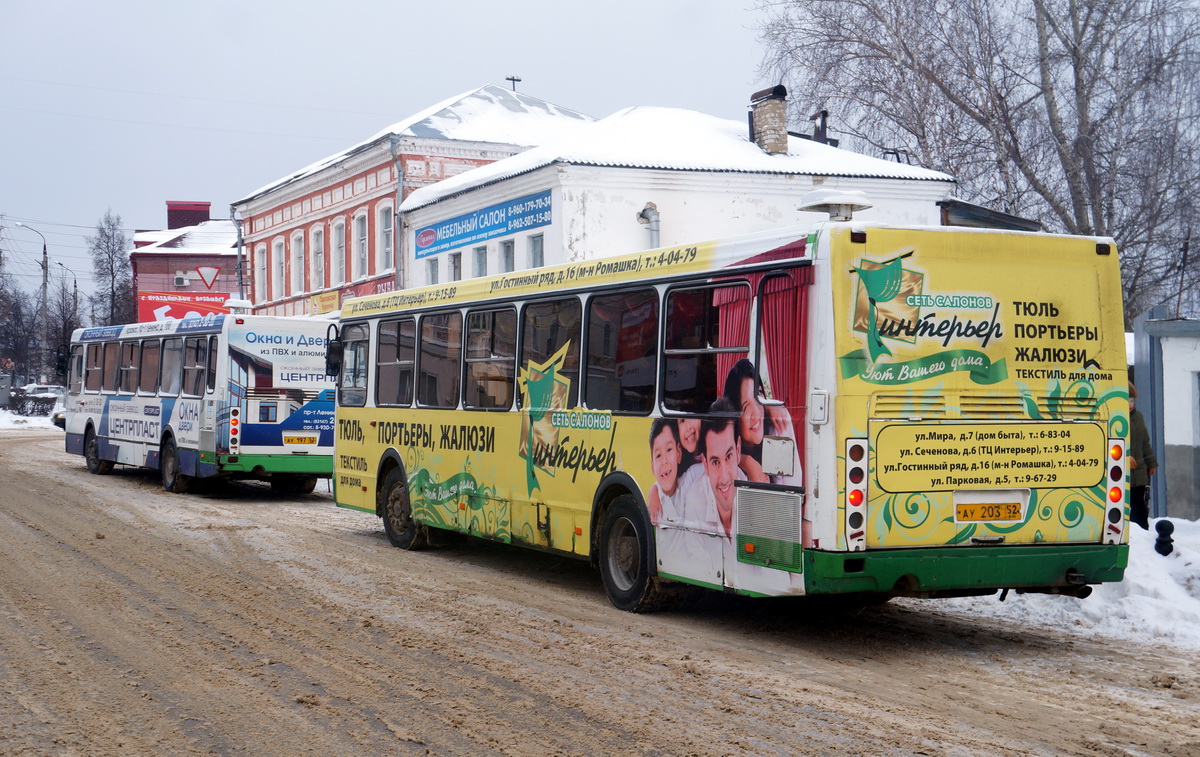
x=489, y=386
x=547, y=508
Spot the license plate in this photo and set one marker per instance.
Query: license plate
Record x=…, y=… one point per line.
x=987, y=511
x=299, y=440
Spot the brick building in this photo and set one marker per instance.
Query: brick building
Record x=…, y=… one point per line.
x=328, y=231
x=188, y=268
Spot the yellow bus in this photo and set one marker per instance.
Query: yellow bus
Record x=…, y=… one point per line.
x=836, y=409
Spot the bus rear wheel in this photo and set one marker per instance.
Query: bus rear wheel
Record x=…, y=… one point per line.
x=402, y=531
x=91, y=453
x=627, y=559
x=293, y=483
x=172, y=480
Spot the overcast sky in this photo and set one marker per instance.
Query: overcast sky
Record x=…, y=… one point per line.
x=127, y=104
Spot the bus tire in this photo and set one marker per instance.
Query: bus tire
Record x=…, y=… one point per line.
x=172, y=480
x=293, y=483
x=627, y=559
x=91, y=453
x=402, y=531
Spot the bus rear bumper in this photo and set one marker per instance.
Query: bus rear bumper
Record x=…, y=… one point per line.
x=949, y=571
x=253, y=465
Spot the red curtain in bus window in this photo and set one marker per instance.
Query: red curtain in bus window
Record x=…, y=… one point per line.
x=784, y=333
x=733, y=311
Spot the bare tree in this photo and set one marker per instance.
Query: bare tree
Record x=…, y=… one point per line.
x=1082, y=115
x=113, y=300
x=64, y=317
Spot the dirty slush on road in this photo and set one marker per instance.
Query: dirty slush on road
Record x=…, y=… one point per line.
x=236, y=621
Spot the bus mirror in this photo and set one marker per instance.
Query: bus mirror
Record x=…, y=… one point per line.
x=333, y=357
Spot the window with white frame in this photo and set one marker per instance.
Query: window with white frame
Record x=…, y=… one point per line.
x=456, y=266
x=360, y=245
x=536, y=256
x=431, y=271
x=480, y=262
x=277, y=262
x=383, y=254
x=318, y=258
x=260, y=273
x=298, y=262
x=508, y=257
x=338, y=269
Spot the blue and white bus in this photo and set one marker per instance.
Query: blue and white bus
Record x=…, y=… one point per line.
x=235, y=396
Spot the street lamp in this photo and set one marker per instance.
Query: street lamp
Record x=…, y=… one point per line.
x=75, y=291
x=45, y=279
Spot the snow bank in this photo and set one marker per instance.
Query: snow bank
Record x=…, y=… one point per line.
x=1158, y=602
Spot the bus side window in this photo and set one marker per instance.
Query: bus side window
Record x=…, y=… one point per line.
x=491, y=359
x=352, y=389
x=75, y=380
x=438, y=365
x=112, y=360
x=394, y=369
x=547, y=329
x=127, y=380
x=195, y=363
x=94, y=369
x=148, y=378
x=708, y=331
x=622, y=351
x=172, y=365
x=211, y=380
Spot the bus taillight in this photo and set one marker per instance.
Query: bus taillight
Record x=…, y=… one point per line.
x=856, y=494
x=234, y=422
x=1114, y=520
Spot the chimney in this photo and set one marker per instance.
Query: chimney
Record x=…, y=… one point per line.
x=182, y=213
x=768, y=120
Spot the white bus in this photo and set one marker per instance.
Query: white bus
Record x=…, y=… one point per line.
x=235, y=396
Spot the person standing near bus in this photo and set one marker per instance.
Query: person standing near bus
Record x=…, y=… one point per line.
x=1142, y=464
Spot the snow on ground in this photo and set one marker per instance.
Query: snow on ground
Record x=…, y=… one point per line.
x=10, y=421
x=1158, y=602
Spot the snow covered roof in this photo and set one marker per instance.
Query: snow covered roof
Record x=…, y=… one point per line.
x=675, y=139
x=488, y=114
x=209, y=237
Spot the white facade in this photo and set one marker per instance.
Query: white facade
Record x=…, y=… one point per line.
x=701, y=175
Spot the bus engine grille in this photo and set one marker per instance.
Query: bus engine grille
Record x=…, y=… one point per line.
x=769, y=527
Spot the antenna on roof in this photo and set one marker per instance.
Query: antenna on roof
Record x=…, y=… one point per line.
x=514, y=80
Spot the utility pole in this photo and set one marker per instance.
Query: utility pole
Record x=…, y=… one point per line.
x=45, y=318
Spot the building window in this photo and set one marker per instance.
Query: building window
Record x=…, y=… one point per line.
x=432, y=271
x=360, y=246
x=260, y=273
x=508, y=257
x=277, y=262
x=480, y=262
x=384, y=224
x=456, y=266
x=339, y=252
x=268, y=412
x=297, y=262
x=536, y=257
x=318, y=258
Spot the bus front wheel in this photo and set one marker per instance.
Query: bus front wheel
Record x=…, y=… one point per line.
x=626, y=558
x=172, y=480
x=91, y=453
x=402, y=531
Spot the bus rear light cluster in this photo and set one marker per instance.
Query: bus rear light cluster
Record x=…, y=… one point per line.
x=856, y=494
x=235, y=422
x=1115, y=487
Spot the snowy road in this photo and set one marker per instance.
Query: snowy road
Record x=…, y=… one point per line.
x=134, y=622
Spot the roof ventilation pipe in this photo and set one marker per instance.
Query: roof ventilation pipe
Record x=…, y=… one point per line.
x=649, y=218
x=839, y=204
